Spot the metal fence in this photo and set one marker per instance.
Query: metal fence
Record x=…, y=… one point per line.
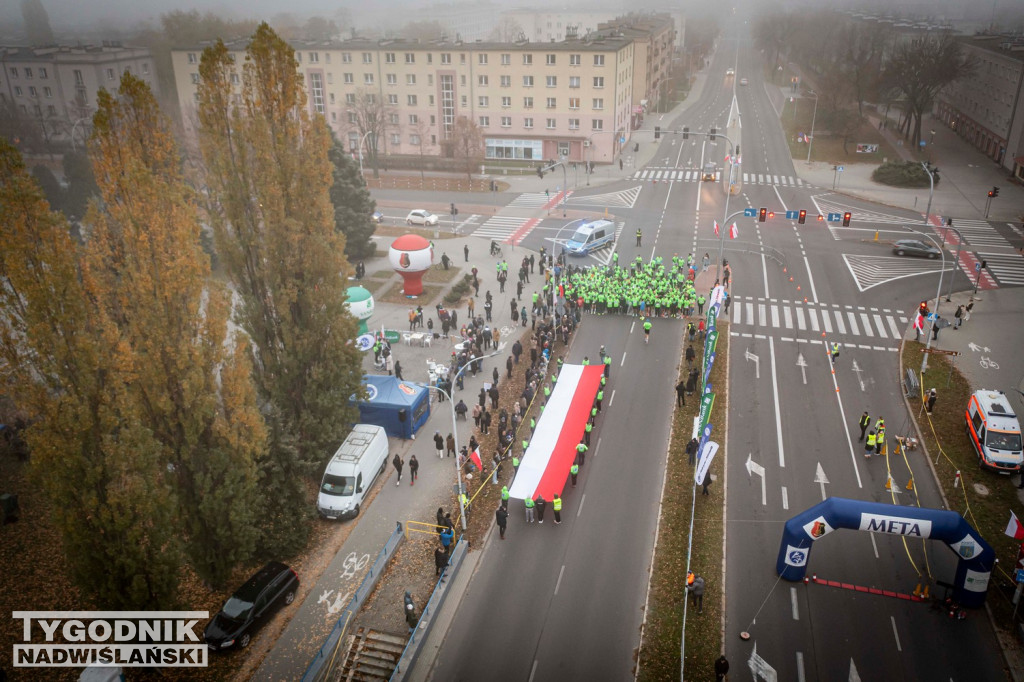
x=326, y=658
x=426, y=621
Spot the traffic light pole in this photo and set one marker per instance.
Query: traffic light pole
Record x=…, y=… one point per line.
x=565, y=179
x=931, y=189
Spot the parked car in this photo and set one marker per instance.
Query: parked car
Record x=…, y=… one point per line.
x=421, y=217
x=915, y=247
x=251, y=606
x=377, y=217
x=743, y=81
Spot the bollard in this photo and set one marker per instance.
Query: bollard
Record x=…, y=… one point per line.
x=956, y=481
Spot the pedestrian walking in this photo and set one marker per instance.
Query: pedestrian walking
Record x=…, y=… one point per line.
x=968, y=309
x=865, y=421
x=398, y=462
x=691, y=450
x=721, y=668
x=932, y=396
x=508, y=366
x=869, y=446
x=398, y=371
x=440, y=560
x=581, y=453
x=496, y=461
x=574, y=471
x=414, y=469
x=556, y=507
x=541, y=504
x=958, y=316
x=880, y=441
x=691, y=355
x=450, y=445
x=681, y=394
x=501, y=517
x=835, y=352
x=586, y=432
x=439, y=444
x=529, y=505
x=465, y=252
x=935, y=328
x=705, y=483
x=697, y=593
x=504, y=496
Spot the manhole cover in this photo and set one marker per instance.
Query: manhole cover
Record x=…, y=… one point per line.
x=980, y=488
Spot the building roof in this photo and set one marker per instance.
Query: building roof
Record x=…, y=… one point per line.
x=593, y=43
x=1010, y=46
x=70, y=53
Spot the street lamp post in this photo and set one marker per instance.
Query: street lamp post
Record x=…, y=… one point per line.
x=810, y=143
x=455, y=427
x=931, y=189
x=361, y=140
x=931, y=142
x=938, y=297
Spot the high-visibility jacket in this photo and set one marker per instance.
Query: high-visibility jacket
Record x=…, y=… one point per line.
x=504, y=493
x=574, y=469
x=871, y=440
x=589, y=427
x=582, y=447
x=526, y=444
x=607, y=360
x=515, y=461
x=600, y=396
x=547, y=391
x=647, y=326
x=529, y=503
x=556, y=504
x=865, y=420
x=880, y=436
x=533, y=423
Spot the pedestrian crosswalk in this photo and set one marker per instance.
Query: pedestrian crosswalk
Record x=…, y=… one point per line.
x=870, y=271
x=499, y=227
x=858, y=214
x=979, y=233
x=625, y=198
x=694, y=175
x=1007, y=267
x=537, y=199
x=877, y=324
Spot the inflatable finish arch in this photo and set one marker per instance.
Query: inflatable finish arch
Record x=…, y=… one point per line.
x=976, y=556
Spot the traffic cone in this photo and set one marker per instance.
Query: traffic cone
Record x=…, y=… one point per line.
x=888, y=483
x=917, y=590
x=910, y=483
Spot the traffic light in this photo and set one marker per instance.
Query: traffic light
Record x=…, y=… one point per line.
x=540, y=172
x=657, y=132
x=995, y=192
x=991, y=193
x=922, y=309
x=714, y=131
x=455, y=211
x=737, y=150
x=803, y=217
x=771, y=214
x=762, y=214
x=846, y=219
x=686, y=133
x=821, y=218
x=949, y=222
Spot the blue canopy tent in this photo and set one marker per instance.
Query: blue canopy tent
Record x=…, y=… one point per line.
x=398, y=406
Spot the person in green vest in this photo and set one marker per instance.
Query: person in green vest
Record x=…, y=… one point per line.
x=504, y=495
x=515, y=466
x=574, y=471
x=533, y=424
x=647, y=330
x=593, y=413
x=869, y=447
x=586, y=360
x=608, y=366
x=700, y=304
x=880, y=442
x=600, y=398
x=581, y=453
x=547, y=393
x=528, y=502
x=556, y=506
x=464, y=501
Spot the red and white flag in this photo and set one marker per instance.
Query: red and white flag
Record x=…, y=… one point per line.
x=716, y=228
x=1014, y=528
x=475, y=458
x=733, y=231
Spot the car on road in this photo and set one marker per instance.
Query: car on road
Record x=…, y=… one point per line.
x=915, y=247
x=730, y=72
x=377, y=217
x=251, y=606
x=710, y=172
x=743, y=81
x=421, y=217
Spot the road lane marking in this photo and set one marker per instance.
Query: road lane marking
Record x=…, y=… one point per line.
x=792, y=601
x=559, y=582
x=611, y=398
x=785, y=498
x=873, y=544
x=800, y=676
x=533, y=670
x=579, y=509
x=895, y=634
x=775, y=393
x=810, y=281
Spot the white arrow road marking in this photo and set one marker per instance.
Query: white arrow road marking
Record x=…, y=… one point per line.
x=759, y=667
x=802, y=364
x=755, y=468
x=858, y=370
x=821, y=478
x=757, y=363
x=893, y=487
x=854, y=675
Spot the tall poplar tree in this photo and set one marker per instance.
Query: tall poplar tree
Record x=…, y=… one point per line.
x=150, y=278
x=71, y=371
x=269, y=178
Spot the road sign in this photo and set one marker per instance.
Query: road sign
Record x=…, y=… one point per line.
x=923, y=144
x=622, y=139
x=839, y=169
x=932, y=317
x=1019, y=577
x=834, y=216
x=791, y=215
x=939, y=351
x=750, y=212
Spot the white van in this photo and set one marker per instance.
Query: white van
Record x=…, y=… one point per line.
x=994, y=431
x=351, y=471
x=590, y=237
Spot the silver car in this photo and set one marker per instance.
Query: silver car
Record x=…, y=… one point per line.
x=915, y=247
x=421, y=217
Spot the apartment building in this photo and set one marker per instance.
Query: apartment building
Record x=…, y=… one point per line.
x=654, y=37
x=986, y=108
x=55, y=87
x=531, y=101
x=467, y=21
x=546, y=25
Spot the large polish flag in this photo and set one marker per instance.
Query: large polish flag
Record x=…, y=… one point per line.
x=545, y=468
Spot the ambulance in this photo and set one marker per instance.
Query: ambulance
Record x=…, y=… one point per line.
x=994, y=430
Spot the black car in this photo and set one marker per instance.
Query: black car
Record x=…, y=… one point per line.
x=250, y=607
x=914, y=247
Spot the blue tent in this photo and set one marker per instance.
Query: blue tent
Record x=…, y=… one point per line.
x=398, y=406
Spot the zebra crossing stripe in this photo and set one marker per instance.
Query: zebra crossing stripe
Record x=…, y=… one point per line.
x=813, y=315
x=788, y=317
x=800, y=318
x=761, y=316
x=854, y=329
x=840, y=325
x=775, y=316
x=880, y=324
x=866, y=323
x=895, y=330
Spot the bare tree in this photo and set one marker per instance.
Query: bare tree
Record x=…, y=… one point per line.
x=507, y=30
x=467, y=144
x=420, y=130
x=370, y=118
x=772, y=33
x=424, y=30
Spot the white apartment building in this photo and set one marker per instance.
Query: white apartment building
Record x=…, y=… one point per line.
x=531, y=101
x=546, y=25
x=55, y=87
x=467, y=21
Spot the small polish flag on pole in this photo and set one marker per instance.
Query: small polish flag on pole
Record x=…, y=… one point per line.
x=475, y=458
x=716, y=228
x=733, y=231
x=1014, y=528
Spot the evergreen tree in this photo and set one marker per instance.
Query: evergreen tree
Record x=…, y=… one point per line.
x=37, y=23
x=81, y=185
x=69, y=369
x=269, y=179
x=148, y=275
x=352, y=203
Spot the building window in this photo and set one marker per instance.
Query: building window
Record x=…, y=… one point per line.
x=392, y=79
x=462, y=58
x=506, y=59
x=37, y=110
x=14, y=72
x=414, y=119
x=410, y=57
x=393, y=119
x=550, y=124
x=574, y=81
x=330, y=77
x=389, y=57
x=346, y=57
x=506, y=121
x=598, y=81
x=192, y=58
x=552, y=81
x=528, y=122
x=599, y=103
x=110, y=74
x=410, y=79
x=549, y=60
x=481, y=59
x=334, y=114
x=506, y=81
x=353, y=141
x=430, y=79
x=513, y=149
x=367, y=79
x=574, y=124
x=464, y=100
x=485, y=121
x=51, y=110
x=433, y=120
x=367, y=58
x=393, y=100
x=47, y=92
x=352, y=117
x=483, y=101
x=327, y=57
x=348, y=78
x=574, y=60
x=527, y=60
x=430, y=100
x=506, y=102
x=316, y=87
x=447, y=84
x=235, y=79
x=32, y=92
x=371, y=98
x=410, y=100
x=43, y=74
x=446, y=58
x=597, y=124
x=314, y=57
x=527, y=81
x=331, y=98
x=194, y=77
x=145, y=69
x=528, y=103
x=551, y=103
x=482, y=81
x=598, y=60
x=462, y=80
x=350, y=98
x=574, y=102
x=414, y=139
x=82, y=96
x=430, y=58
